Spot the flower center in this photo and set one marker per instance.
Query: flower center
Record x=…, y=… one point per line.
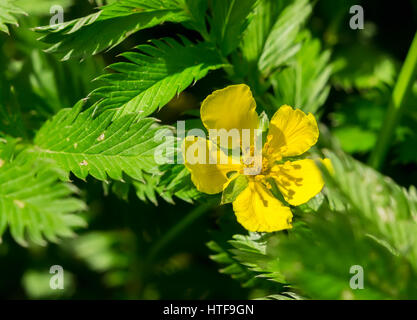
x=258, y=166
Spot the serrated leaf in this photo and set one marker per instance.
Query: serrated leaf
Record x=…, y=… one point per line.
x=153, y=76
x=233, y=267
x=35, y=205
x=7, y=14
x=108, y=27
x=175, y=181
x=99, y=146
x=281, y=43
x=229, y=21
x=248, y=260
x=261, y=22
x=304, y=84
x=388, y=210
x=196, y=9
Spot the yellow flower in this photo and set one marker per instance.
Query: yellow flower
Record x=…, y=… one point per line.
x=291, y=133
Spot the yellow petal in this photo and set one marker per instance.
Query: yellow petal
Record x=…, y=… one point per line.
x=208, y=164
x=230, y=108
x=292, y=132
x=257, y=209
x=298, y=181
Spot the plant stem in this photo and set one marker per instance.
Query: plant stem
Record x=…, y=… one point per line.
x=401, y=90
x=168, y=237
x=178, y=228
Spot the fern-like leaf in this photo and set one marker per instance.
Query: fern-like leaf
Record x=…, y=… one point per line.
x=230, y=266
x=260, y=24
x=34, y=204
x=229, y=21
x=108, y=27
x=388, y=211
x=7, y=14
x=246, y=259
x=281, y=43
x=176, y=181
x=304, y=84
x=154, y=76
x=99, y=146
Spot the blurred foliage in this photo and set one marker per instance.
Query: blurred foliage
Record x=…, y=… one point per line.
x=151, y=234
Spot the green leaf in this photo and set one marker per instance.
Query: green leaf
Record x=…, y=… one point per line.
x=99, y=146
x=261, y=22
x=196, y=10
x=8, y=146
x=7, y=14
x=234, y=188
x=263, y=122
x=304, y=84
x=108, y=27
x=59, y=84
x=253, y=252
x=232, y=267
x=229, y=21
x=340, y=243
x=175, y=181
x=35, y=205
x=281, y=42
x=388, y=211
x=247, y=259
x=154, y=76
